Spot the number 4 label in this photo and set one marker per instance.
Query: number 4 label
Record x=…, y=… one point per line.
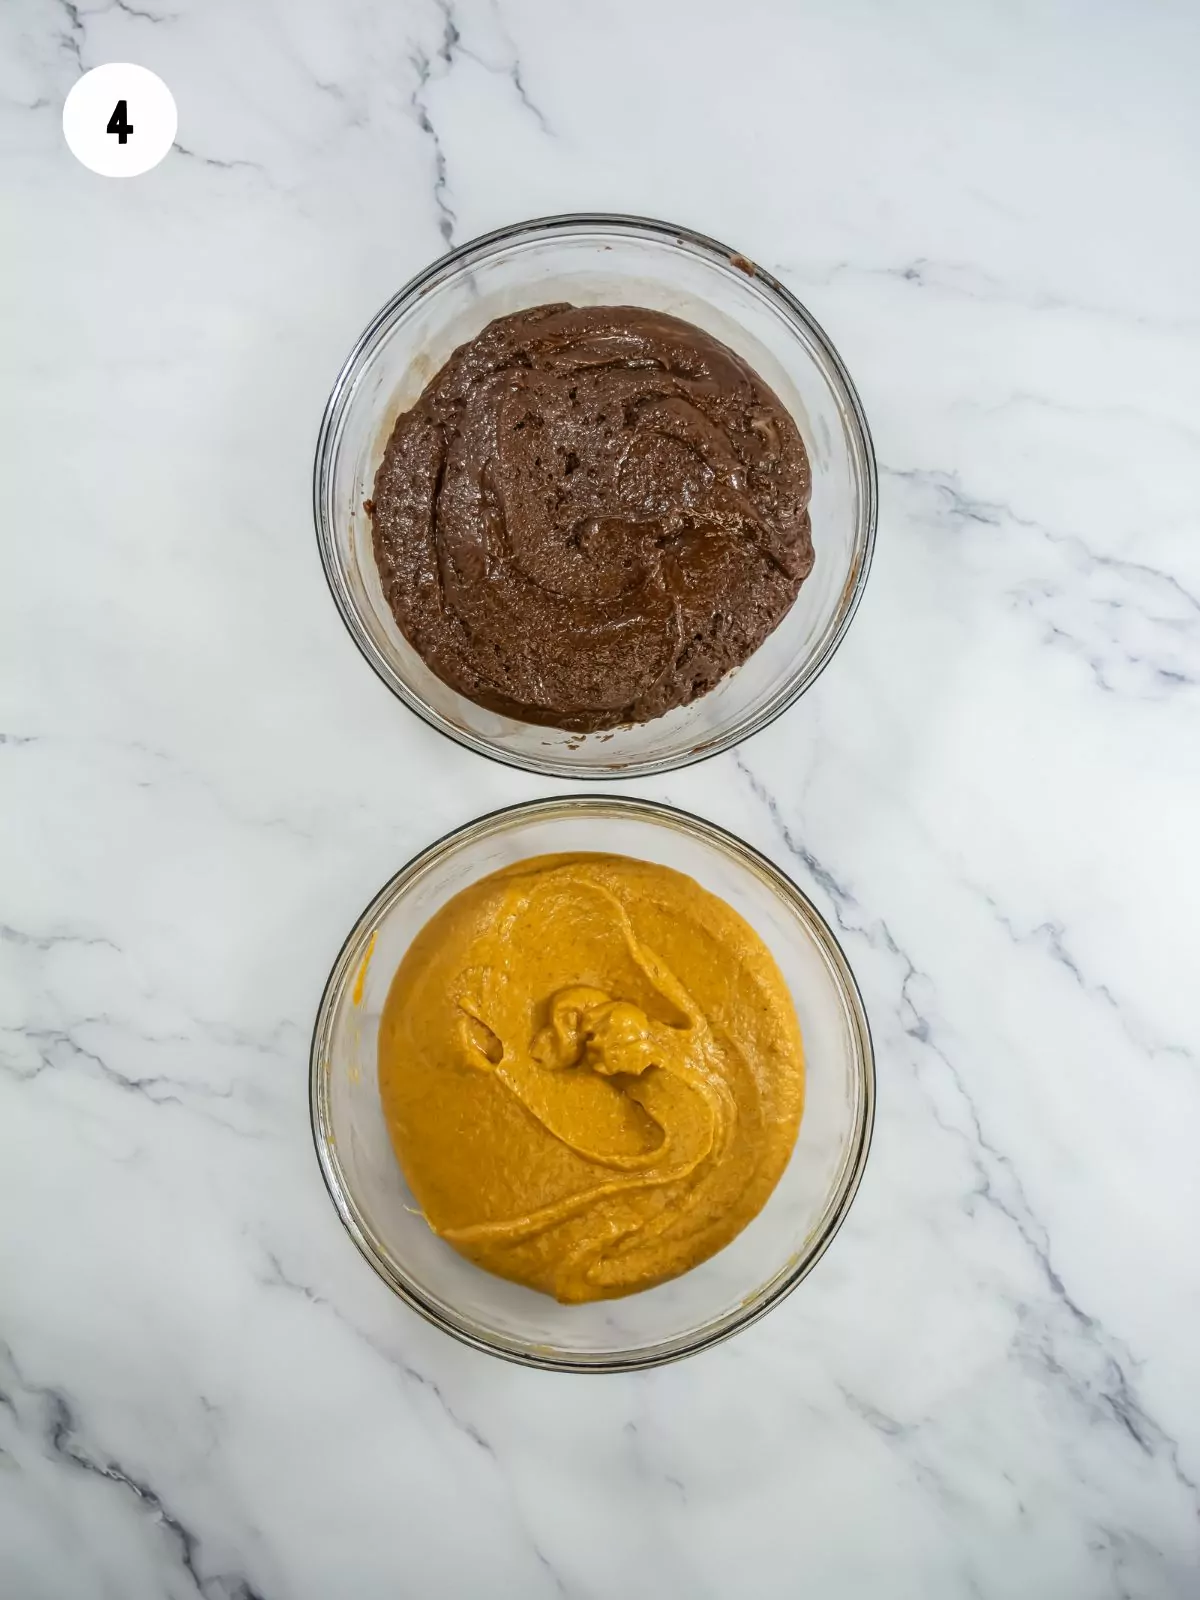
x=120, y=120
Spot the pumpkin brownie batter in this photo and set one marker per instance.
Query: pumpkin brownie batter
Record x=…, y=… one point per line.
x=591, y=515
x=592, y=1073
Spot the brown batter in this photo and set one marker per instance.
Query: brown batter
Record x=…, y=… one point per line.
x=592, y=1073
x=591, y=515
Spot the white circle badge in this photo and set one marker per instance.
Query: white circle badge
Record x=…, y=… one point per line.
x=120, y=120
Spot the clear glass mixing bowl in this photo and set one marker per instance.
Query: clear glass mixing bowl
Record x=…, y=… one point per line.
x=713, y=1300
x=601, y=260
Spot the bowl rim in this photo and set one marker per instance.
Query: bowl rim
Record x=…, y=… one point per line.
x=432, y=277
x=785, y=1281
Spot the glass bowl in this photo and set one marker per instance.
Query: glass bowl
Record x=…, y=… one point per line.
x=601, y=260
x=730, y=1290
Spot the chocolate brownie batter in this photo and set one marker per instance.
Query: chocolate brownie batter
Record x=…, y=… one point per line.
x=591, y=515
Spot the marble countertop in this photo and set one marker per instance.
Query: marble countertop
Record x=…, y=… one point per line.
x=989, y=1386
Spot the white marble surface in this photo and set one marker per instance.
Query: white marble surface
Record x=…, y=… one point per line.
x=989, y=1387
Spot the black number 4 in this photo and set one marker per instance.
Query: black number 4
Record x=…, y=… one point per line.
x=119, y=124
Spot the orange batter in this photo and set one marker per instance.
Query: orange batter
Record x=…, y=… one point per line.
x=592, y=1073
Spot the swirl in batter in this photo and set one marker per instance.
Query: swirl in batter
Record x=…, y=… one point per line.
x=591, y=515
x=592, y=1074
